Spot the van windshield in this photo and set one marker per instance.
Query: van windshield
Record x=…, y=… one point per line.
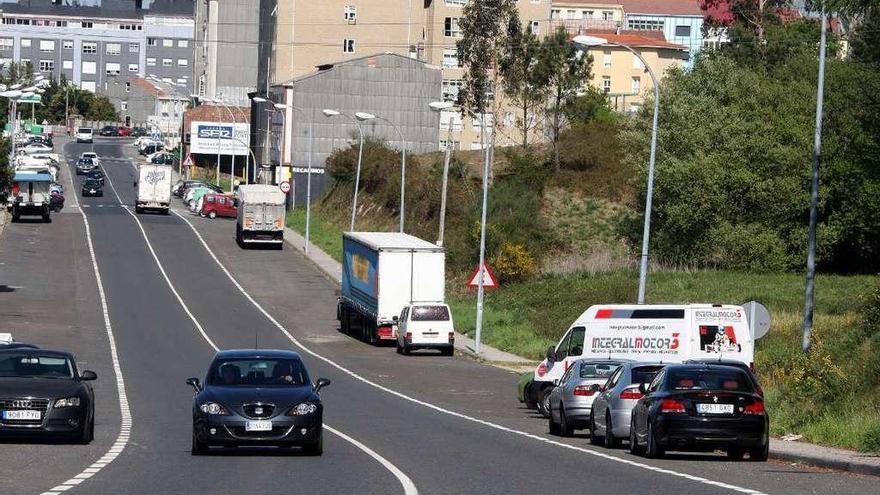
x=430, y=313
x=85, y=130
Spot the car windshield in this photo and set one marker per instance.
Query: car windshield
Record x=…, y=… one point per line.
x=34, y=365
x=598, y=370
x=430, y=313
x=85, y=161
x=91, y=183
x=731, y=380
x=644, y=374
x=258, y=372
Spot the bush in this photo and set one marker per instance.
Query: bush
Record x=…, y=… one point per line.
x=513, y=263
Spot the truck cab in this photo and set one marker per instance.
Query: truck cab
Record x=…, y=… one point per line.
x=425, y=326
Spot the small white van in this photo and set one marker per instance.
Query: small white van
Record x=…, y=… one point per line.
x=425, y=326
x=653, y=333
x=84, y=135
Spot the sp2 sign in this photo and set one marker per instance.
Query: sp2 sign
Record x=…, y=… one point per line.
x=215, y=132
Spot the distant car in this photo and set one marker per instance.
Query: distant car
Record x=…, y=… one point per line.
x=41, y=139
x=96, y=174
x=93, y=156
x=36, y=147
x=84, y=135
x=218, y=205
x=257, y=397
x=612, y=408
x=123, y=131
x=92, y=187
x=163, y=159
x=151, y=147
x=56, y=187
x=110, y=130
x=571, y=401
x=701, y=407
x=84, y=166
x=190, y=191
x=44, y=395
x=138, y=132
x=56, y=200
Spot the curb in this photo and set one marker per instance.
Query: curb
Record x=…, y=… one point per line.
x=827, y=462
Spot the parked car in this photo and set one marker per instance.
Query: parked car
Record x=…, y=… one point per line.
x=92, y=187
x=425, y=326
x=163, y=159
x=84, y=135
x=109, y=130
x=571, y=401
x=123, y=131
x=189, y=191
x=218, y=205
x=151, y=147
x=56, y=200
x=701, y=407
x=612, y=408
x=35, y=147
x=257, y=397
x=138, y=132
x=84, y=166
x=96, y=174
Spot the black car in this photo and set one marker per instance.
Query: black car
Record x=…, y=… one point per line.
x=151, y=148
x=257, y=397
x=138, y=132
x=42, y=394
x=700, y=407
x=96, y=174
x=92, y=187
x=110, y=130
x=736, y=364
x=84, y=166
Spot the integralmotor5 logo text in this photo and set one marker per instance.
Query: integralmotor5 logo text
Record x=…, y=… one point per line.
x=647, y=344
x=215, y=132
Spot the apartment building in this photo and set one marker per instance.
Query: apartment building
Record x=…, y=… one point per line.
x=94, y=43
x=307, y=35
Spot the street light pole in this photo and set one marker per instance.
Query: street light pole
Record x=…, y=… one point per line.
x=357, y=177
x=439, y=106
x=480, y=272
x=363, y=116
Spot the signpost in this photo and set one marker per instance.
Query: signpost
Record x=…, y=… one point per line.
x=285, y=187
x=489, y=280
x=759, y=319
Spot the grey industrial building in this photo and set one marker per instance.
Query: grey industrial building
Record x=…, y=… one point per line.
x=94, y=43
x=387, y=85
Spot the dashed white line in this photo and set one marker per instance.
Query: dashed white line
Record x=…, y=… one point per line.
x=443, y=410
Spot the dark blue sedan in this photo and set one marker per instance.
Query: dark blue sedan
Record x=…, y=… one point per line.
x=258, y=398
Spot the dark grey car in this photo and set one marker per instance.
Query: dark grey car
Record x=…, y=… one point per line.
x=610, y=415
x=572, y=399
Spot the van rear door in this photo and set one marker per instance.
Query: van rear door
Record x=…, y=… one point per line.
x=429, y=323
x=721, y=333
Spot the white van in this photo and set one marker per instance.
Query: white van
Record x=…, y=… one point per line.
x=84, y=135
x=654, y=333
x=425, y=326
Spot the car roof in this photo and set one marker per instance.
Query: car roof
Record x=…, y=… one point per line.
x=17, y=345
x=603, y=360
x=37, y=350
x=256, y=353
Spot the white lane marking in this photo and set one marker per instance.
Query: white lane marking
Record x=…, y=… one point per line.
x=409, y=488
x=125, y=412
x=448, y=411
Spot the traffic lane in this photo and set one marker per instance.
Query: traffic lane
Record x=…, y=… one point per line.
x=49, y=297
x=159, y=348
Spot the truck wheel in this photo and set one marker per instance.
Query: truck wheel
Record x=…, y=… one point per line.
x=373, y=337
x=46, y=217
x=166, y=211
x=212, y=215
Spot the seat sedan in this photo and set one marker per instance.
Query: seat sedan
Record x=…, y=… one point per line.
x=43, y=395
x=571, y=401
x=92, y=187
x=701, y=407
x=612, y=409
x=96, y=174
x=257, y=398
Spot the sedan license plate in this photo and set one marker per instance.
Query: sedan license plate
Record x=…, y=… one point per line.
x=22, y=415
x=715, y=408
x=258, y=426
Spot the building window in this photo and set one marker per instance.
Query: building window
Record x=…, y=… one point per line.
x=477, y=121
x=645, y=25
x=536, y=27
x=47, y=65
x=606, y=84
x=152, y=42
x=347, y=46
x=182, y=62
x=89, y=67
x=123, y=105
x=113, y=48
x=25, y=43
x=67, y=44
x=555, y=14
x=450, y=121
x=151, y=62
x=87, y=24
x=350, y=13
x=133, y=67
x=167, y=43
x=88, y=86
x=448, y=144
x=182, y=80
x=636, y=85
x=449, y=89
x=450, y=57
x=683, y=31
x=47, y=46
x=67, y=64
x=182, y=43
x=134, y=48
x=586, y=14
x=607, y=15
x=90, y=47
x=25, y=61
x=128, y=87
x=112, y=68
x=606, y=59
x=450, y=28
x=6, y=44
x=167, y=62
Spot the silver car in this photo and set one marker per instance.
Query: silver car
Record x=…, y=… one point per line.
x=572, y=399
x=612, y=407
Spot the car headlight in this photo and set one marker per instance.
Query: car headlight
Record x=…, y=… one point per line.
x=303, y=409
x=68, y=402
x=214, y=409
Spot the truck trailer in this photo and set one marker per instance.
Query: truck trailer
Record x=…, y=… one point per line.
x=154, y=188
x=261, y=215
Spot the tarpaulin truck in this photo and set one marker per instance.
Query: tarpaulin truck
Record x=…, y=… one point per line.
x=260, y=215
x=30, y=195
x=153, y=188
x=382, y=272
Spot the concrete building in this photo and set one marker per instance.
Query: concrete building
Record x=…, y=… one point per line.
x=149, y=102
x=97, y=42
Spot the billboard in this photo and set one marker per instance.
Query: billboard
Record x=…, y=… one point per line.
x=232, y=139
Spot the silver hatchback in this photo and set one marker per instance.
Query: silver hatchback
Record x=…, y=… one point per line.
x=572, y=399
x=612, y=407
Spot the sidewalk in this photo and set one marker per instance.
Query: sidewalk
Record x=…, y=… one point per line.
x=333, y=270
x=826, y=457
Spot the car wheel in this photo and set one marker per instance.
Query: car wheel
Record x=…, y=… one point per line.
x=406, y=350
x=653, y=450
x=735, y=453
x=198, y=447
x=202, y=214
x=760, y=454
x=552, y=425
x=634, y=447
x=544, y=403
x=595, y=439
x=316, y=448
x=610, y=441
x=565, y=429
x=212, y=215
x=399, y=348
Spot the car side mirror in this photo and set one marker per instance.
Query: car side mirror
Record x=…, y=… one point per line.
x=551, y=354
x=88, y=375
x=643, y=388
x=321, y=383
x=195, y=384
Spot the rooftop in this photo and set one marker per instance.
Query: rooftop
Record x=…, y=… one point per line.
x=636, y=39
x=100, y=9
x=657, y=7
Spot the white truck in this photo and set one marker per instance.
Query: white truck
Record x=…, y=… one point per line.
x=654, y=333
x=30, y=195
x=383, y=273
x=261, y=215
x=153, y=188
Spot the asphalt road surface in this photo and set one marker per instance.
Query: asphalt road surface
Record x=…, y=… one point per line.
x=178, y=287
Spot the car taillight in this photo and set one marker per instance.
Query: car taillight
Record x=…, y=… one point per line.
x=542, y=369
x=631, y=394
x=584, y=390
x=451, y=337
x=408, y=336
x=755, y=408
x=672, y=406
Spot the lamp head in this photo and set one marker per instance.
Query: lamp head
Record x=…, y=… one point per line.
x=330, y=113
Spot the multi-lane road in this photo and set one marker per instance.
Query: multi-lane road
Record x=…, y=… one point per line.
x=145, y=301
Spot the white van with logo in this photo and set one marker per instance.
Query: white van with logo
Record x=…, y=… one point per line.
x=651, y=333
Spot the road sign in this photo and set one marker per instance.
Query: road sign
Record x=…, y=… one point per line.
x=188, y=161
x=285, y=187
x=759, y=319
x=489, y=280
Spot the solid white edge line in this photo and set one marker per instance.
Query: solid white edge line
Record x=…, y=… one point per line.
x=125, y=412
x=447, y=411
x=409, y=488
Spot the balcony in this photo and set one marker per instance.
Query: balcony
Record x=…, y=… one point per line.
x=577, y=27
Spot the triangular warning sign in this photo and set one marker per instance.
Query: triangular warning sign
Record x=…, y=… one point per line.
x=188, y=161
x=489, y=280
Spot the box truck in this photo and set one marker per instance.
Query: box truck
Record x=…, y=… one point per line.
x=153, y=188
x=382, y=273
x=261, y=215
x=30, y=195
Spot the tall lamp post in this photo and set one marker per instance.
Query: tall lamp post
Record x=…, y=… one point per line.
x=234, y=123
x=363, y=117
x=357, y=176
x=439, y=107
x=591, y=41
